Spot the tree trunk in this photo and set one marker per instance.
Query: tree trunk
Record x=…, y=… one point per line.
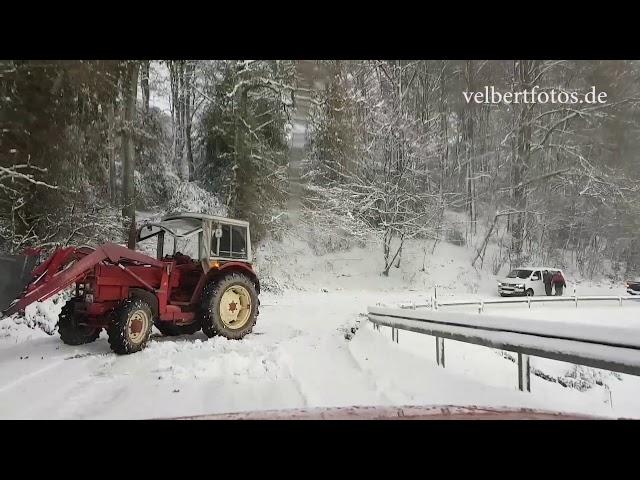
x=388, y=262
x=182, y=102
x=176, y=69
x=524, y=71
x=444, y=135
x=128, y=149
x=188, y=113
x=469, y=146
x=483, y=248
x=113, y=193
x=144, y=84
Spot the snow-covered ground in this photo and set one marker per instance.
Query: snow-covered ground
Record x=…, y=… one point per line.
x=312, y=347
x=298, y=356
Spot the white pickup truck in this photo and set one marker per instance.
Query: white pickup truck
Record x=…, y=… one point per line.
x=526, y=281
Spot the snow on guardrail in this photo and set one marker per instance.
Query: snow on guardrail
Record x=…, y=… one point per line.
x=435, y=303
x=607, y=347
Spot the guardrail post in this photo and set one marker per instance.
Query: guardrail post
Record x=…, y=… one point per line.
x=620, y=300
x=435, y=297
x=529, y=302
x=609, y=399
x=481, y=305
x=575, y=295
x=440, y=351
x=394, y=334
x=524, y=373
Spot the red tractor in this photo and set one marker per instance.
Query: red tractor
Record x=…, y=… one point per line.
x=211, y=285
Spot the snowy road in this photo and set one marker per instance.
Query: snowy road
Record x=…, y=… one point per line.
x=297, y=357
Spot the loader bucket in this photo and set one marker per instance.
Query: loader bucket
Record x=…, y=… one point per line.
x=15, y=275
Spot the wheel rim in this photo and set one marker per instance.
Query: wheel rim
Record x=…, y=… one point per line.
x=235, y=307
x=137, y=326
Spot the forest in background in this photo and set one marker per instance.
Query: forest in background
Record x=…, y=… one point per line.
x=392, y=147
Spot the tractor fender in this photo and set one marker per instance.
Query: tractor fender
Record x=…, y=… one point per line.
x=238, y=267
x=225, y=268
x=149, y=297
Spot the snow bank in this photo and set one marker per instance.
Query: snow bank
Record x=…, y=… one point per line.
x=40, y=319
x=413, y=377
x=243, y=361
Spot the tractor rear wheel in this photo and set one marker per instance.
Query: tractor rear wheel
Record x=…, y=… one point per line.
x=229, y=306
x=171, y=330
x=69, y=329
x=130, y=326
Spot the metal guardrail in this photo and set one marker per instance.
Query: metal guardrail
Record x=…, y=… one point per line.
x=435, y=304
x=623, y=357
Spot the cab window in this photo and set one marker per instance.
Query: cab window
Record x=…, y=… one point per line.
x=232, y=243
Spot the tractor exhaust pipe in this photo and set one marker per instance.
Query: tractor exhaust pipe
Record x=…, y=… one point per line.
x=15, y=275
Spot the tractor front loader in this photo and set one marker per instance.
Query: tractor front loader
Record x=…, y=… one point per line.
x=126, y=292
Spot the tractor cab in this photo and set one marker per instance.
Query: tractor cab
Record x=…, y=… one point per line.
x=198, y=238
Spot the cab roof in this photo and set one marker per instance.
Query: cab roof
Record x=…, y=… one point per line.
x=538, y=268
x=204, y=216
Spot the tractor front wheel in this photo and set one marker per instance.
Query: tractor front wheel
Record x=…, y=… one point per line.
x=229, y=306
x=130, y=326
x=71, y=328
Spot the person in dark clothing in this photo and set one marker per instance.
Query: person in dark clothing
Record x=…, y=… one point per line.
x=559, y=283
x=546, y=277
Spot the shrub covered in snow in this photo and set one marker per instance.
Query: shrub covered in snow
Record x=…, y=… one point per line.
x=456, y=237
x=190, y=197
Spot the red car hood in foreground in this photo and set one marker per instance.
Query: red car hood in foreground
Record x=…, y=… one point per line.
x=398, y=413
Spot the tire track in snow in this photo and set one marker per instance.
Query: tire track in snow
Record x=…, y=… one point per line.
x=328, y=372
x=383, y=386
x=378, y=386
x=348, y=327
x=295, y=380
x=29, y=376
x=44, y=392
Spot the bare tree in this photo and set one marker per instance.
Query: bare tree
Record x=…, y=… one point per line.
x=144, y=85
x=130, y=90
